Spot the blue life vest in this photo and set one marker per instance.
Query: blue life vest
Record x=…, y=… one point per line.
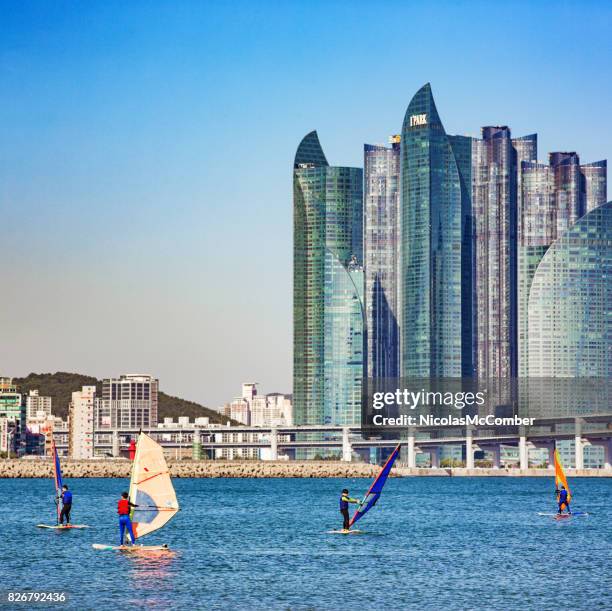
x=343, y=504
x=563, y=496
x=67, y=497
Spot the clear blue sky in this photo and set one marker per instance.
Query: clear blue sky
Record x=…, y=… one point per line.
x=146, y=152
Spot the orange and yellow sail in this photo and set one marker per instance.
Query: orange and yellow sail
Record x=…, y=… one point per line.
x=151, y=488
x=560, y=479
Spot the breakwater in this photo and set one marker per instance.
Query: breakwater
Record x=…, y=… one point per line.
x=258, y=469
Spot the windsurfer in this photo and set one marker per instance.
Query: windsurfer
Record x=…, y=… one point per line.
x=66, y=498
x=345, y=499
x=562, y=497
x=125, y=523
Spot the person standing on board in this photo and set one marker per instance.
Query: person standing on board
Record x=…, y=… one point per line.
x=123, y=509
x=563, y=500
x=345, y=499
x=66, y=498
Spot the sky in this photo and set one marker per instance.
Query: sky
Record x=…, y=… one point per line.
x=146, y=154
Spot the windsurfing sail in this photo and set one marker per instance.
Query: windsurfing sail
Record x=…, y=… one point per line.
x=57, y=475
x=151, y=488
x=373, y=494
x=560, y=479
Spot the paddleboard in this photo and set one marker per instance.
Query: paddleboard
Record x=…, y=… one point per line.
x=62, y=526
x=131, y=548
x=347, y=532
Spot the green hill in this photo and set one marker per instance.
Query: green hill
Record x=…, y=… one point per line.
x=61, y=385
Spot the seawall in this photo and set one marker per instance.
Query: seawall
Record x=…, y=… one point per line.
x=258, y=469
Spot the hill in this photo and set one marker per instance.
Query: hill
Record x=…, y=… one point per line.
x=61, y=385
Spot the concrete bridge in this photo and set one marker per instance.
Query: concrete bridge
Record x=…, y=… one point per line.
x=592, y=430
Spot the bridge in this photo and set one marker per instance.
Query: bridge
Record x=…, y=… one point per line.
x=544, y=433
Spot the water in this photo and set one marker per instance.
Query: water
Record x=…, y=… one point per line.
x=432, y=543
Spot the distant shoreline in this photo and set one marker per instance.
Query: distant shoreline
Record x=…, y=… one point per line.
x=18, y=469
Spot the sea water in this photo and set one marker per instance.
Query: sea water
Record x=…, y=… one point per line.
x=431, y=543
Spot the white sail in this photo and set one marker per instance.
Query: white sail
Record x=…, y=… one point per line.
x=151, y=488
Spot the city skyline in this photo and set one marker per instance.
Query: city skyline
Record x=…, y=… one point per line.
x=125, y=203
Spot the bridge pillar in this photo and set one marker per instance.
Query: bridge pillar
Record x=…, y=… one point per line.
x=607, y=446
x=578, y=445
x=347, y=449
x=273, y=443
x=496, y=452
x=115, y=448
x=408, y=448
x=434, y=453
x=523, y=451
x=469, y=449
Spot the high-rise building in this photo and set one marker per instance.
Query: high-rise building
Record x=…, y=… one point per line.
x=328, y=251
x=436, y=283
x=553, y=197
x=568, y=188
x=37, y=406
x=81, y=423
x=381, y=258
x=595, y=184
x=129, y=401
x=12, y=410
x=570, y=329
x=494, y=208
x=11, y=405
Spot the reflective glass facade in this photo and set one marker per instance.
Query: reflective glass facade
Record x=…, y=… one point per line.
x=595, y=183
x=569, y=196
x=537, y=229
x=570, y=328
x=494, y=209
x=553, y=197
x=435, y=302
x=328, y=231
x=381, y=253
x=343, y=341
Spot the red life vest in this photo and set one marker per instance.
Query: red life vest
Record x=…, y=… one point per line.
x=123, y=507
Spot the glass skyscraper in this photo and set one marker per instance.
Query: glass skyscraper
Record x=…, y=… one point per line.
x=436, y=228
x=494, y=208
x=381, y=253
x=327, y=289
x=570, y=328
x=553, y=197
x=595, y=183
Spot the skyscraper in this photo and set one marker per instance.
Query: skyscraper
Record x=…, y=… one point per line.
x=595, y=184
x=381, y=258
x=494, y=208
x=435, y=206
x=553, y=197
x=327, y=290
x=569, y=188
x=570, y=329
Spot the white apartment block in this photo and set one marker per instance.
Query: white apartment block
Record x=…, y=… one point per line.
x=81, y=423
x=35, y=403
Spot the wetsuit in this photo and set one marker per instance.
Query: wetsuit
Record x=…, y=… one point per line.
x=123, y=509
x=345, y=499
x=66, y=506
x=563, y=501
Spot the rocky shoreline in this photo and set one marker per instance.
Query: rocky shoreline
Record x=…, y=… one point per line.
x=260, y=469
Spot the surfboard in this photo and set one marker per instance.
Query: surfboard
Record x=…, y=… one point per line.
x=346, y=532
x=131, y=548
x=62, y=526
